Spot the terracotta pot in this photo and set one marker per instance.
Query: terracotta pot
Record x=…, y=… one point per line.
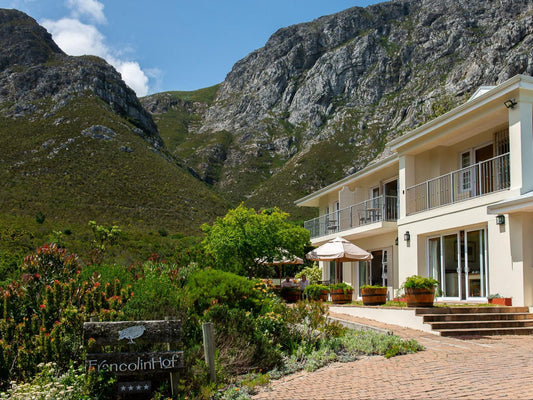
x=339, y=297
x=415, y=297
x=502, y=301
x=374, y=296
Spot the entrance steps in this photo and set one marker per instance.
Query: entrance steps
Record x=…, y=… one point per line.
x=478, y=321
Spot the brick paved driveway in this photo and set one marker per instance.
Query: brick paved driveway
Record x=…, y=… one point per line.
x=498, y=367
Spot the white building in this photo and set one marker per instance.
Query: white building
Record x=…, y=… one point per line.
x=454, y=201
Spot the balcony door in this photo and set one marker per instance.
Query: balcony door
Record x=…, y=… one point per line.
x=486, y=173
x=476, y=175
x=377, y=271
x=391, y=203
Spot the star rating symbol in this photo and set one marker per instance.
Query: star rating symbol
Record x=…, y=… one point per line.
x=134, y=386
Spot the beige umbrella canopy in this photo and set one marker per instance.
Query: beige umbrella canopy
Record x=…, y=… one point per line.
x=282, y=261
x=339, y=250
x=285, y=260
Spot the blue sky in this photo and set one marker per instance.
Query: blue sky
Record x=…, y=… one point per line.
x=163, y=45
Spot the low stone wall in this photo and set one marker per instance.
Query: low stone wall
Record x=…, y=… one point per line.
x=389, y=315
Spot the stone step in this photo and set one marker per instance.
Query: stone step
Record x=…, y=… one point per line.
x=480, y=324
x=470, y=310
x=487, y=331
x=475, y=317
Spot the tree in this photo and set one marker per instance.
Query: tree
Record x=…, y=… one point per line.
x=243, y=238
x=104, y=236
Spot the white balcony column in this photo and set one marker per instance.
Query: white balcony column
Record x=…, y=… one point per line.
x=406, y=179
x=521, y=145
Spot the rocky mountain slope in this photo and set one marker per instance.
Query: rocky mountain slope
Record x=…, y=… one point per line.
x=321, y=99
x=76, y=144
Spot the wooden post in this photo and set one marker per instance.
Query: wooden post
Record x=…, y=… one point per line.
x=173, y=375
x=209, y=348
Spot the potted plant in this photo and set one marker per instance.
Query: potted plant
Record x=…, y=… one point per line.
x=499, y=300
x=341, y=293
x=374, y=295
x=291, y=294
x=419, y=291
x=316, y=292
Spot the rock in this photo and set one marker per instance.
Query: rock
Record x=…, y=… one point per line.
x=359, y=78
x=33, y=67
x=99, y=132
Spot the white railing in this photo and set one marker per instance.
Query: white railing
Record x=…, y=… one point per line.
x=383, y=208
x=477, y=180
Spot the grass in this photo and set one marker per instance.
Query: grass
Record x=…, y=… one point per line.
x=70, y=178
x=348, y=347
x=49, y=169
x=206, y=95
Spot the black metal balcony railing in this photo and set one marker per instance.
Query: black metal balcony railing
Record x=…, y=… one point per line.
x=383, y=208
x=477, y=180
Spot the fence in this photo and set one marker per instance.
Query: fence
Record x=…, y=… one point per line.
x=382, y=208
x=477, y=180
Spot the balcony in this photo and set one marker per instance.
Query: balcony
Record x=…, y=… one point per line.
x=477, y=180
x=379, y=209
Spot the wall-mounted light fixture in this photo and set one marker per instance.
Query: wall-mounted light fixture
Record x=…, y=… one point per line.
x=500, y=219
x=407, y=236
x=510, y=103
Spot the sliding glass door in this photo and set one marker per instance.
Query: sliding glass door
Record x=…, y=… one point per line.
x=475, y=255
x=459, y=262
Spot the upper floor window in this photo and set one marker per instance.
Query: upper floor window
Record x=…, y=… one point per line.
x=466, y=174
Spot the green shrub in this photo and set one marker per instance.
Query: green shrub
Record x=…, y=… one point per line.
x=211, y=286
x=51, y=383
x=419, y=282
x=40, y=217
x=242, y=341
x=50, y=263
x=341, y=285
x=155, y=295
x=41, y=317
x=369, y=342
x=108, y=273
x=314, y=291
x=372, y=287
x=313, y=273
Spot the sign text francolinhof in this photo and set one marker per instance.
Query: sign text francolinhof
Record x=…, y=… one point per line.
x=154, y=362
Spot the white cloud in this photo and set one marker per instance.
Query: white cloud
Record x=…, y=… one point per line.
x=133, y=75
x=90, y=8
x=76, y=38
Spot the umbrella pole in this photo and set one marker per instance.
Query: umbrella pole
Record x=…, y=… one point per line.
x=337, y=271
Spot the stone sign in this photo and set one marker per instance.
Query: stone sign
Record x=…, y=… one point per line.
x=135, y=363
x=131, y=333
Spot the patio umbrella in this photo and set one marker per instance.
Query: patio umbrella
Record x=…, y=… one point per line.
x=339, y=250
x=285, y=259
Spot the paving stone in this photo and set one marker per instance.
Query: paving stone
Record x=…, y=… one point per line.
x=495, y=367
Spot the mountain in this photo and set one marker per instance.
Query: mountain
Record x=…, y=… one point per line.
x=321, y=99
x=77, y=145
x=318, y=102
